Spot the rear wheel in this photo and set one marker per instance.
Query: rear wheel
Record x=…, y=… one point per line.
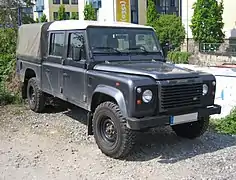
x=112, y=136
x=35, y=96
x=192, y=130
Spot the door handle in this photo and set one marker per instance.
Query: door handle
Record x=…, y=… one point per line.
x=47, y=70
x=65, y=75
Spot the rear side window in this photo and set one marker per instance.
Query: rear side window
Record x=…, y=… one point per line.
x=56, y=44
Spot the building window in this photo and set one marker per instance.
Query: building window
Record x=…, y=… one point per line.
x=56, y=44
x=174, y=3
x=55, y=15
x=76, y=45
x=157, y=2
x=67, y=15
x=65, y=2
x=56, y=2
x=134, y=11
x=74, y=1
x=165, y=3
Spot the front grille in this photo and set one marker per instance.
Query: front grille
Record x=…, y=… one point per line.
x=178, y=96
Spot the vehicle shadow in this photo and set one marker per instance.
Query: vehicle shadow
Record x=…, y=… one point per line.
x=162, y=144
x=77, y=114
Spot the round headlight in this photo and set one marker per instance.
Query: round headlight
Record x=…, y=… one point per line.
x=147, y=96
x=204, y=89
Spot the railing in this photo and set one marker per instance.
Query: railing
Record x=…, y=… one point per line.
x=228, y=49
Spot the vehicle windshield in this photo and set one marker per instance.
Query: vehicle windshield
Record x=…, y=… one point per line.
x=122, y=40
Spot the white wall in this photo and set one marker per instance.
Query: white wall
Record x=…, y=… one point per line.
x=107, y=11
x=81, y=4
x=229, y=17
x=46, y=9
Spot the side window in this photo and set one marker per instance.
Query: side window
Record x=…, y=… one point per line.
x=56, y=44
x=76, y=48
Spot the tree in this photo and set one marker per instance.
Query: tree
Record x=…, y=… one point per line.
x=169, y=28
x=74, y=15
x=43, y=18
x=152, y=14
x=61, y=13
x=9, y=12
x=207, y=22
x=89, y=12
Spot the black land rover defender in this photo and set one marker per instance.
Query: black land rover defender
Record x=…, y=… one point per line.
x=117, y=72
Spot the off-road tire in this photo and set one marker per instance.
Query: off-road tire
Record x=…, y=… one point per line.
x=125, y=137
x=39, y=103
x=192, y=130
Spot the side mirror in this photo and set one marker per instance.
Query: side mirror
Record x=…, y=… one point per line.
x=76, y=54
x=165, y=50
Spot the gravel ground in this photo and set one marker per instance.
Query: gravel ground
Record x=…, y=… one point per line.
x=54, y=145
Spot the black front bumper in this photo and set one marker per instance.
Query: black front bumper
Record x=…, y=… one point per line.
x=154, y=121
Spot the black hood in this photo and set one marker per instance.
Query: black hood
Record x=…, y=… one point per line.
x=157, y=70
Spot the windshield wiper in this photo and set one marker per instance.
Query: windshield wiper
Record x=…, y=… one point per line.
x=109, y=48
x=136, y=48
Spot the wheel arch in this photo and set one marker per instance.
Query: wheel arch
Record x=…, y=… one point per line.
x=103, y=93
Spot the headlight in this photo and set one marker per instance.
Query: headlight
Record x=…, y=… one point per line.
x=204, y=89
x=147, y=96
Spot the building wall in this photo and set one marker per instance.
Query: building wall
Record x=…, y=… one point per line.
x=107, y=11
x=135, y=10
x=142, y=10
x=123, y=10
x=49, y=8
x=229, y=17
x=55, y=7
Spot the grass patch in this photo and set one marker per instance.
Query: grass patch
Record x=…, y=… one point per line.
x=226, y=125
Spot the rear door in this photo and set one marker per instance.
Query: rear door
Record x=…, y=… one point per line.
x=52, y=65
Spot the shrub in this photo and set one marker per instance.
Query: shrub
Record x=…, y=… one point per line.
x=7, y=65
x=169, y=28
x=89, y=12
x=226, y=125
x=179, y=57
x=7, y=97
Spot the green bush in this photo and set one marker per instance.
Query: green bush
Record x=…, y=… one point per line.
x=226, y=125
x=7, y=65
x=7, y=97
x=179, y=57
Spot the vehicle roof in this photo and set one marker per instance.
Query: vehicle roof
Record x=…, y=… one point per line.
x=83, y=24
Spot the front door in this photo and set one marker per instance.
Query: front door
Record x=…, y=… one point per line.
x=51, y=66
x=74, y=71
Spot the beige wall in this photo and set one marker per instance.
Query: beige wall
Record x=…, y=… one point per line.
x=142, y=4
x=55, y=8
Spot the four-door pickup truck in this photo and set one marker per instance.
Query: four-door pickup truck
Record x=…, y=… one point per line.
x=117, y=72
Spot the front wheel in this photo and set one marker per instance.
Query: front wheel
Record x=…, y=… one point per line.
x=192, y=130
x=112, y=136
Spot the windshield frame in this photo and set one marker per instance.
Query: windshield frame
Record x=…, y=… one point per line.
x=129, y=52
